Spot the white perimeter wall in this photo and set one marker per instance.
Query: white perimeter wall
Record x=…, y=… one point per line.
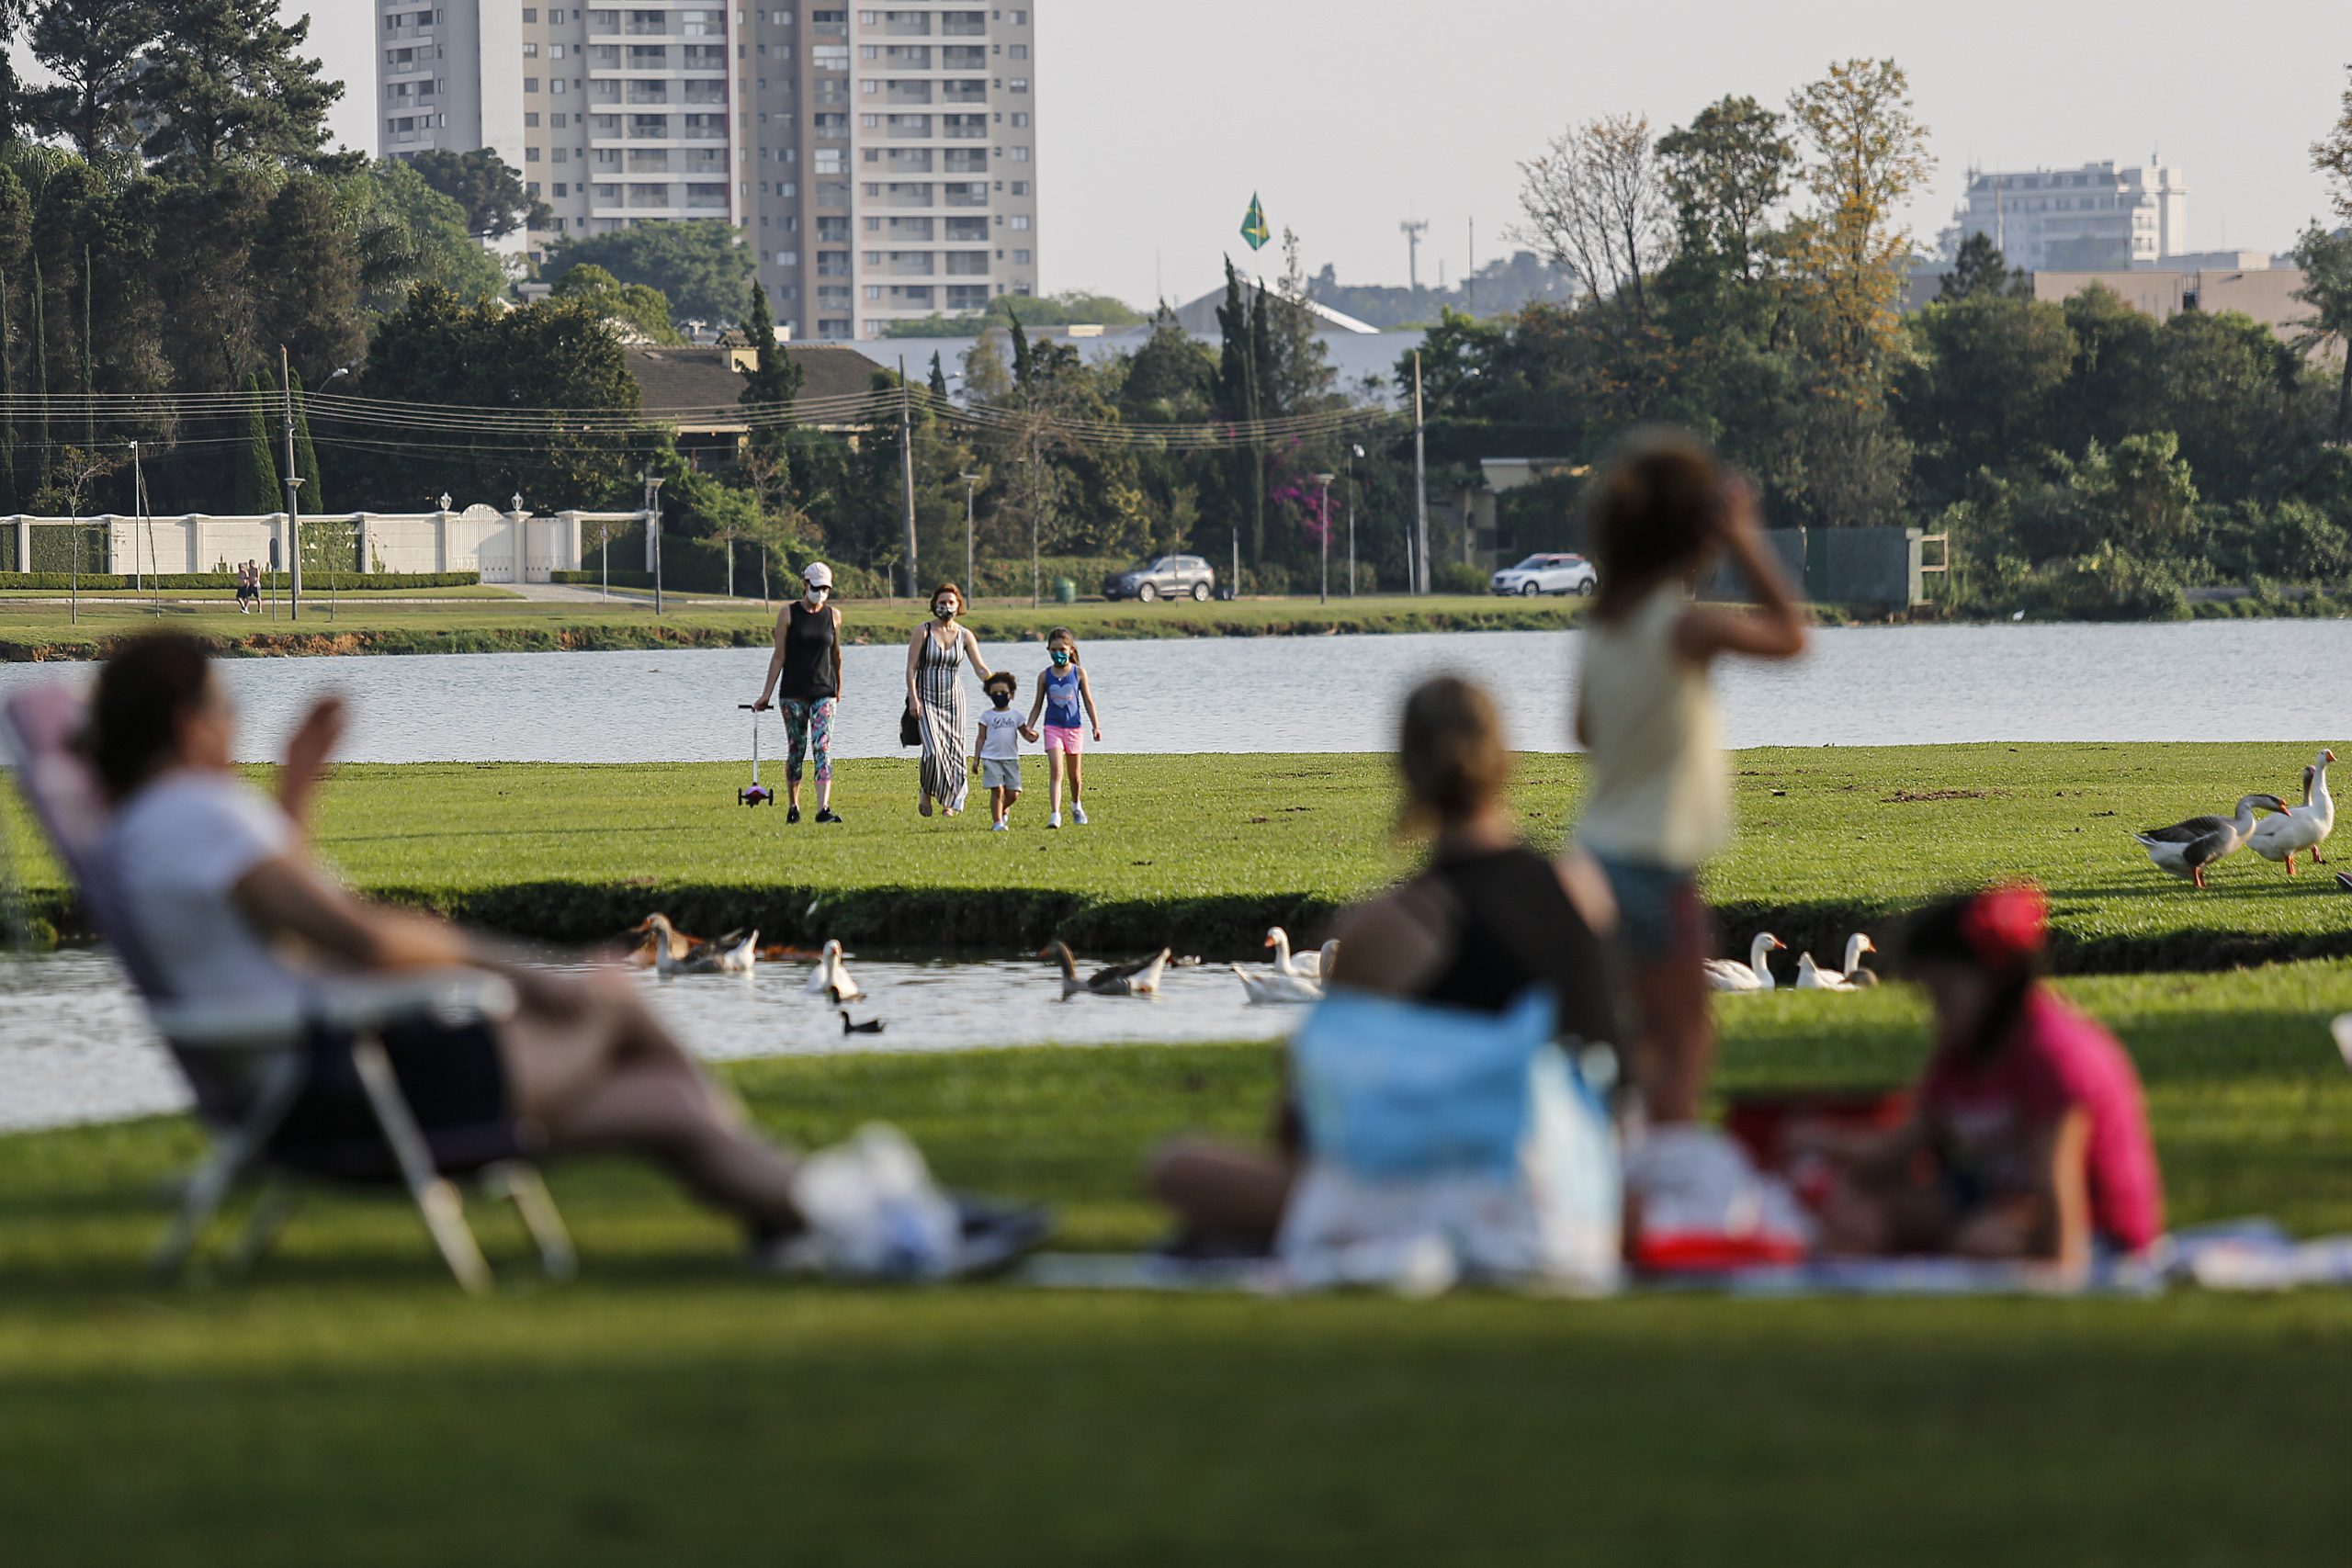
x=477, y=540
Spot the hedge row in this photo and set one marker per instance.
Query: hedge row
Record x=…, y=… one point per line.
x=172, y=582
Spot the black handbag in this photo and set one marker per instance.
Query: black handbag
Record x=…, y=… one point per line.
x=909, y=727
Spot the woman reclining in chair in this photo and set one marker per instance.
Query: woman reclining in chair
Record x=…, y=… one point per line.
x=220, y=884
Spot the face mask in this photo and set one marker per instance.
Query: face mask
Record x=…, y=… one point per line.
x=817, y=597
x=944, y=609
x=1061, y=658
x=1002, y=699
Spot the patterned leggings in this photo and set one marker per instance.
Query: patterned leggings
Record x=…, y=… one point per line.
x=807, y=725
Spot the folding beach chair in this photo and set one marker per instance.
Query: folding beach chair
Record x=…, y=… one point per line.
x=246, y=1063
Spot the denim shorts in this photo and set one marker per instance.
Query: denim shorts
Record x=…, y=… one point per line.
x=1659, y=912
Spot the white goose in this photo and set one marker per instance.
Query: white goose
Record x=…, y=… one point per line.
x=1810, y=977
x=831, y=978
x=1309, y=965
x=1276, y=988
x=2186, y=849
x=1756, y=974
x=2306, y=826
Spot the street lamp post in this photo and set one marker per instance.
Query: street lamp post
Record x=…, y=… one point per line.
x=971, y=578
x=293, y=492
x=1353, y=453
x=653, y=527
x=1324, y=480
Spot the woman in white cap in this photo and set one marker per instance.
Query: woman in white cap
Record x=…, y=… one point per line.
x=806, y=672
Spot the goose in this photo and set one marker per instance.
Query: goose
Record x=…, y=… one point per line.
x=2186, y=849
x=1756, y=974
x=1140, y=978
x=2305, y=826
x=831, y=978
x=733, y=953
x=2344, y=882
x=1810, y=977
x=1309, y=965
x=655, y=935
x=1275, y=988
x=1854, y=977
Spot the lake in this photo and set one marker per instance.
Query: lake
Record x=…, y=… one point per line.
x=1892, y=685
x=75, y=1048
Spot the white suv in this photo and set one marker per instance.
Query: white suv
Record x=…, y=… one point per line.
x=1548, y=574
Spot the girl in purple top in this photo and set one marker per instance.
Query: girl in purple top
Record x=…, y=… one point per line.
x=2028, y=1137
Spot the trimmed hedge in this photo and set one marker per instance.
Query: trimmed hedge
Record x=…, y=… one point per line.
x=342, y=581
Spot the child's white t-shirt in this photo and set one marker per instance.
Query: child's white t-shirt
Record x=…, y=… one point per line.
x=1000, y=735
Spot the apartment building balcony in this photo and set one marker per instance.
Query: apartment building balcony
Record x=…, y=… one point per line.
x=908, y=229
x=967, y=264
x=906, y=24
x=901, y=57
x=900, y=93
x=967, y=160
x=964, y=195
x=916, y=195
x=962, y=92
x=965, y=127
x=908, y=126
x=963, y=24
x=908, y=161
x=706, y=199
x=962, y=57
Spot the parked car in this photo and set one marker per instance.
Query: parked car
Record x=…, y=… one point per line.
x=1548, y=574
x=1162, y=577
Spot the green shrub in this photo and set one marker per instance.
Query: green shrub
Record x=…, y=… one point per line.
x=1459, y=577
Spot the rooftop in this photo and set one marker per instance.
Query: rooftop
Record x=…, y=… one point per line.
x=709, y=379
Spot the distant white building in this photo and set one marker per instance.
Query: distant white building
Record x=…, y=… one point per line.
x=2095, y=218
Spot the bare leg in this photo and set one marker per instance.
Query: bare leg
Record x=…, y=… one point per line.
x=1224, y=1191
x=1053, y=756
x=1077, y=781
x=593, y=1069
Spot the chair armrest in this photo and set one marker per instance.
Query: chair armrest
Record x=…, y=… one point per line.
x=345, y=1006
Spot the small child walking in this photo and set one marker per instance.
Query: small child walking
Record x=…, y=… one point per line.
x=1066, y=699
x=998, y=743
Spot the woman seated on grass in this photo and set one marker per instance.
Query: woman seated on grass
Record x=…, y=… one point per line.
x=2027, y=1138
x=220, y=885
x=1488, y=919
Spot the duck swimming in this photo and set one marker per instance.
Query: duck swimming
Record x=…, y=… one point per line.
x=831, y=978
x=1140, y=978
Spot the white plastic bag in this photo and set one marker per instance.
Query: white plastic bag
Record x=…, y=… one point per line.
x=873, y=1211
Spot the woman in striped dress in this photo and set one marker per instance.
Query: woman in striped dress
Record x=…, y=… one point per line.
x=935, y=660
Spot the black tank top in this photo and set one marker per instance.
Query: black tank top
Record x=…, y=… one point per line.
x=1514, y=928
x=807, y=655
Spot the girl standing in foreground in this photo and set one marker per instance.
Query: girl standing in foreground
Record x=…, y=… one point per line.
x=1067, y=701
x=935, y=697
x=1659, y=800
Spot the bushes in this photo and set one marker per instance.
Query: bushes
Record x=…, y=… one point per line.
x=2108, y=585
x=1458, y=576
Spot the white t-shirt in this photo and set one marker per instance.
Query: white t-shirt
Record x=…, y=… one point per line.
x=175, y=851
x=1000, y=735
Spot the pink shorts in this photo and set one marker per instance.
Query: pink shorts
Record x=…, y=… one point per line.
x=1068, y=738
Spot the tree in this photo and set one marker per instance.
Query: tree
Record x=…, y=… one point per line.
x=2331, y=155
x=306, y=455
x=486, y=186
x=1868, y=154
x=306, y=274
x=1725, y=173
x=12, y=23
x=1981, y=269
x=1987, y=366
x=701, y=266
x=637, y=313
x=1596, y=204
x=92, y=48
x=772, y=382
x=259, y=490
x=938, y=377
x=410, y=233
x=225, y=79
x=39, y=350
x=9, y=408
x=2326, y=262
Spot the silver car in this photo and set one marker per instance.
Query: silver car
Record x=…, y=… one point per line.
x=1548, y=574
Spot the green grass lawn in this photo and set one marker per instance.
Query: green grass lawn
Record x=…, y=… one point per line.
x=492, y=620
x=347, y=1405
x=1204, y=852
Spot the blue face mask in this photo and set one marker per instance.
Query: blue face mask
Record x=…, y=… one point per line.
x=1061, y=658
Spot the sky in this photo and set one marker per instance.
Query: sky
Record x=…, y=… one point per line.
x=1158, y=119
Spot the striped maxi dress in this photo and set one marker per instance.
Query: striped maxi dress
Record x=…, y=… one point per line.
x=939, y=681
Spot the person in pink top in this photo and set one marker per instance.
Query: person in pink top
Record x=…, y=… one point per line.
x=2028, y=1137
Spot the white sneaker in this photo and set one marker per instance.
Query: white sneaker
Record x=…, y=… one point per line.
x=1078, y=813
x=1001, y=828
x=1054, y=820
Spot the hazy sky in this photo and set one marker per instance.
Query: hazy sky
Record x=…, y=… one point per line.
x=1157, y=119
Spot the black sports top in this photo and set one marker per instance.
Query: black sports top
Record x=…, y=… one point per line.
x=808, y=674
x=1514, y=928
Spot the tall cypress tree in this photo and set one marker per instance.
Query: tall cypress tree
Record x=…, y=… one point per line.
x=938, y=377
x=256, y=491
x=306, y=457
x=41, y=384
x=10, y=499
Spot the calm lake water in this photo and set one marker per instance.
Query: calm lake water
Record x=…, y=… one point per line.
x=1895, y=685
x=75, y=1047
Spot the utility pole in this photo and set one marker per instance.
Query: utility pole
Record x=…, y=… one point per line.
x=1470, y=279
x=971, y=576
x=1419, y=549
x=1413, y=228
x=906, y=467
x=293, y=493
x=653, y=526
x=1324, y=480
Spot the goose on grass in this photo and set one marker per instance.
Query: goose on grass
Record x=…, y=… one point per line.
x=2186, y=849
x=2303, y=828
x=1756, y=974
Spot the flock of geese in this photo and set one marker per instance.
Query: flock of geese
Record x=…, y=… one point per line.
x=2186, y=848
x=670, y=953
x=1756, y=974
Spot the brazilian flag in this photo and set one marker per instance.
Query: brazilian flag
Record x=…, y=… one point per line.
x=1253, y=226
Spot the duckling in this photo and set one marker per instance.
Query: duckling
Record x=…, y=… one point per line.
x=871, y=1026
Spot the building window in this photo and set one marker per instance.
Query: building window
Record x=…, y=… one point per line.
x=530, y=154
x=530, y=52
x=531, y=119
x=1021, y=221
x=1021, y=118
x=530, y=14
x=1018, y=51
x=1021, y=154
x=530, y=84
x=562, y=189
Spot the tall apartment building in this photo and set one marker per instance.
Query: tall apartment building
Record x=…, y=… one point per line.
x=2080, y=220
x=881, y=160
